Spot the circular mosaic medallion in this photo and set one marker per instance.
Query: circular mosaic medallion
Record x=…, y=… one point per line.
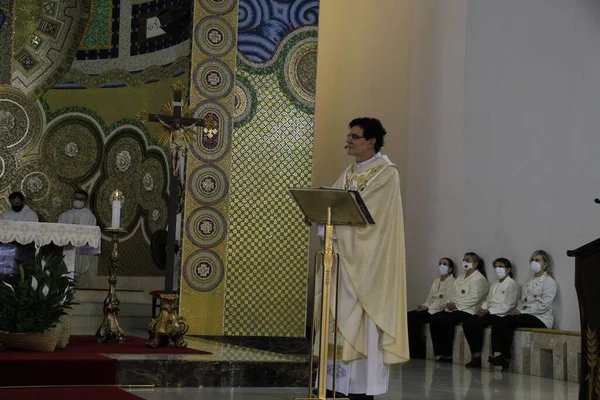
x=218, y=7
x=8, y=163
x=243, y=101
x=214, y=36
x=72, y=147
x=203, y=270
x=300, y=67
x=20, y=119
x=35, y=186
x=208, y=185
x=210, y=147
x=206, y=227
x=213, y=79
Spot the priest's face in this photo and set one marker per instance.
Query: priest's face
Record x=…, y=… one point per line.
x=359, y=147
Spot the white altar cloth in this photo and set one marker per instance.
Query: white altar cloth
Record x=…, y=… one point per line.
x=43, y=233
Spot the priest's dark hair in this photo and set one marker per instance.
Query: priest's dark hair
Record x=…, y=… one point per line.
x=480, y=263
x=372, y=129
x=506, y=262
x=15, y=195
x=83, y=192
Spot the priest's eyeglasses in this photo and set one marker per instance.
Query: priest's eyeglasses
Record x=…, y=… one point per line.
x=354, y=136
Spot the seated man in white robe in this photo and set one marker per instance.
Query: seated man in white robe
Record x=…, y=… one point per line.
x=79, y=215
x=19, y=211
x=371, y=323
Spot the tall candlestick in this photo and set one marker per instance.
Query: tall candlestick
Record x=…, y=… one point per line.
x=116, y=209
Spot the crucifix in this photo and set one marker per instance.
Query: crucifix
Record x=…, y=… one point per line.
x=176, y=132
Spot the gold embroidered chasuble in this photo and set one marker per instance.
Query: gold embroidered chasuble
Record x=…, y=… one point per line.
x=372, y=261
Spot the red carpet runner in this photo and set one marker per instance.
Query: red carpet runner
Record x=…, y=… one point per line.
x=80, y=363
x=89, y=393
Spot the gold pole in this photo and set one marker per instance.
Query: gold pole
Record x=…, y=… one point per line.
x=325, y=308
x=110, y=328
x=336, y=259
x=318, y=259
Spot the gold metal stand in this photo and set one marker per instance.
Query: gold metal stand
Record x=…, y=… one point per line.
x=329, y=257
x=110, y=328
x=168, y=326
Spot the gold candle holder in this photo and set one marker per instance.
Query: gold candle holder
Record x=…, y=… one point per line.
x=169, y=326
x=110, y=328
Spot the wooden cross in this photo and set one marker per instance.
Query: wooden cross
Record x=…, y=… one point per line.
x=177, y=123
x=176, y=133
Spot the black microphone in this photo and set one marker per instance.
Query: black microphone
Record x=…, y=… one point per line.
x=597, y=200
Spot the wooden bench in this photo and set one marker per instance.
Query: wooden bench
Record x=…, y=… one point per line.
x=547, y=353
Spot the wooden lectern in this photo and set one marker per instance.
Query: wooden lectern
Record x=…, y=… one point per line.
x=330, y=207
x=587, y=276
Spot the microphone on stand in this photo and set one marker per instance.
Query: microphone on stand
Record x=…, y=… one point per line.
x=597, y=200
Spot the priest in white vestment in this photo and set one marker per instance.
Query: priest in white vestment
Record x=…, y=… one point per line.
x=372, y=322
x=19, y=211
x=79, y=215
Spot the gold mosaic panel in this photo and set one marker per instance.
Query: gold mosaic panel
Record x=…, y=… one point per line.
x=268, y=242
x=211, y=94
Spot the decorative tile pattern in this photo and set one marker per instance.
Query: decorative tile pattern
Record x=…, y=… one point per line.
x=136, y=57
x=102, y=32
x=267, y=255
x=264, y=24
x=6, y=40
x=272, y=152
x=208, y=166
x=141, y=43
x=46, y=38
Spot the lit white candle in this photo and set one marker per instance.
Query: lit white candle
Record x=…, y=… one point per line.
x=116, y=209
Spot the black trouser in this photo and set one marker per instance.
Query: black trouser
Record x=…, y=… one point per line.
x=442, y=330
x=503, y=331
x=416, y=339
x=473, y=328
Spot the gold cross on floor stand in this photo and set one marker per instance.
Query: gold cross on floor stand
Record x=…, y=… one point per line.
x=331, y=207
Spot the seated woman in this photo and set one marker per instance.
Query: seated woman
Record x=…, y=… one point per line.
x=502, y=299
x=534, y=310
x=440, y=293
x=469, y=292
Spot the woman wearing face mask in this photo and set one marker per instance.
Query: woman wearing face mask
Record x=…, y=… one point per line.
x=501, y=300
x=534, y=310
x=440, y=293
x=470, y=290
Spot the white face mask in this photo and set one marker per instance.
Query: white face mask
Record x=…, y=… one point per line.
x=443, y=269
x=501, y=272
x=536, y=266
x=78, y=203
x=466, y=265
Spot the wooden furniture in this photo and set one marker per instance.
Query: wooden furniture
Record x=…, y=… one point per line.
x=587, y=276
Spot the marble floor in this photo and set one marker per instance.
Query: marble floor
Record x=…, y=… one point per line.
x=417, y=380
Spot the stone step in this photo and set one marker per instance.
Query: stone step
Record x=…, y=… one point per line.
x=124, y=296
x=88, y=325
x=125, y=310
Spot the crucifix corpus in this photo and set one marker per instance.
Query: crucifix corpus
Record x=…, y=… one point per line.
x=176, y=132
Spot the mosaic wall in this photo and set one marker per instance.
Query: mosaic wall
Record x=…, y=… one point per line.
x=252, y=282
x=5, y=40
x=272, y=152
x=53, y=142
x=124, y=45
x=208, y=167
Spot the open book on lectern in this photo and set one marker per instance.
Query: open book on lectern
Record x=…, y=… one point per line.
x=348, y=207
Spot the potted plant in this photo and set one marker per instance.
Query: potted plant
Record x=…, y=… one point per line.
x=32, y=305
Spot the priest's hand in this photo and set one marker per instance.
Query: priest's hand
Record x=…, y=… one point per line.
x=515, y=312
x=451, y=306
x=422, y=308
x=482, y=312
